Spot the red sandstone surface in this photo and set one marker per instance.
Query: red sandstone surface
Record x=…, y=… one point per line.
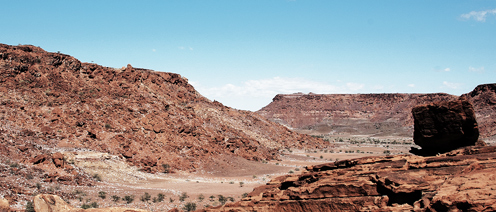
x=461, y=180
x=51, y=102
x=370, y=114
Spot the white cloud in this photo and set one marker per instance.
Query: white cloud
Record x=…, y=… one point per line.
x=411, y=85
x=478, y=15
x=473, y=69
x=452, y=85
x=447, y=69
x=154, y=50
x=258, y=93
x=185, y=48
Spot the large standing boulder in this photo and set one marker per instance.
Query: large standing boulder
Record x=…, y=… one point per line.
x=444, y=126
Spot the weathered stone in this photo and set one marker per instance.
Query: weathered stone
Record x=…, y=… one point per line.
x=461, y=180
x=4, y=205
x=443, y=126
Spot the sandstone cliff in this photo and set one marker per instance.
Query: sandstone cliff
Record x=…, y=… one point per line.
x=370, y=114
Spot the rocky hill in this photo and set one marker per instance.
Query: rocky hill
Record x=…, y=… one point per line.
x=369, y=114
x=52, y=101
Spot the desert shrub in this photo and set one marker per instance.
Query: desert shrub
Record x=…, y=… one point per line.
x=128, y=199
x=297, y=169
x=321, y=157
x=291, y=171
x=102, y=194
x=166, y=168
x=38, y=186
x=201, y=197
x=97, y=177
x=222, y=199
x=115, y=198
x=241, y=184
x=183, y=196
x=171, y=200
x=231, y=182
x=190, y=206
x=231, y=199
x=212, y=198
x=108, y=126
x=146, y=197
x=30, y=206
x=244, y=195
x=94, y=205
x=85, y=206
x=14, y=165
x=160, y=197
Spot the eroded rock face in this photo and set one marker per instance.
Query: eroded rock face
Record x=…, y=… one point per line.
x=444, y=126
x=150, y=118
x=371, y=114
x=462, y=180
x=53, y=203
x=355, y=114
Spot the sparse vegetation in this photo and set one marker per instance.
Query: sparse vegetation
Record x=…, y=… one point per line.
x=190, y=206
x=30, y=206
x=222, y=199
x=146, y=197
x=102, y=194
x=97, y=177
x=160, y=197
x=166, y=168
x=241, y=184
x=115, y=198
x=183, y=196
x=128, y=198
x=201, y=198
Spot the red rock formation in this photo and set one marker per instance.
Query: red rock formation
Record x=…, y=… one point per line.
x=50, y=100
x=483, y=98
x=461, y=180
x=444, y=126
x=367, y=114
x=371, y=114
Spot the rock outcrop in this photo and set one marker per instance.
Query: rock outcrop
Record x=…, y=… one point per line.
x=370, y=114
x=52, y=103
x=352, y=114
x=53, y=203
x=444, y=126
x=461, y=180
x=150, y=118
x=4, y=205
x=483, y=99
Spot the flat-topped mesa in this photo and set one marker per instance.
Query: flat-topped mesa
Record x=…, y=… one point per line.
x=444, y=126
x=358, y=114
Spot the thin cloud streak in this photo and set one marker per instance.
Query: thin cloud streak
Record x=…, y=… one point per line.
x=478, y=15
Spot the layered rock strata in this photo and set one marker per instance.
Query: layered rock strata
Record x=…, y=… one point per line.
x=370, y=114
x=461, y=180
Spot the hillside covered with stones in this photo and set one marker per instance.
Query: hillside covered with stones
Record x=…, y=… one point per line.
x=52, y=101
x=370, y=114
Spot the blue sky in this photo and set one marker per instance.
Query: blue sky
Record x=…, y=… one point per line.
x=244, y=52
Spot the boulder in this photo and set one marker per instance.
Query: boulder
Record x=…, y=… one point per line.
x=4, y=205
x=444, y=126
